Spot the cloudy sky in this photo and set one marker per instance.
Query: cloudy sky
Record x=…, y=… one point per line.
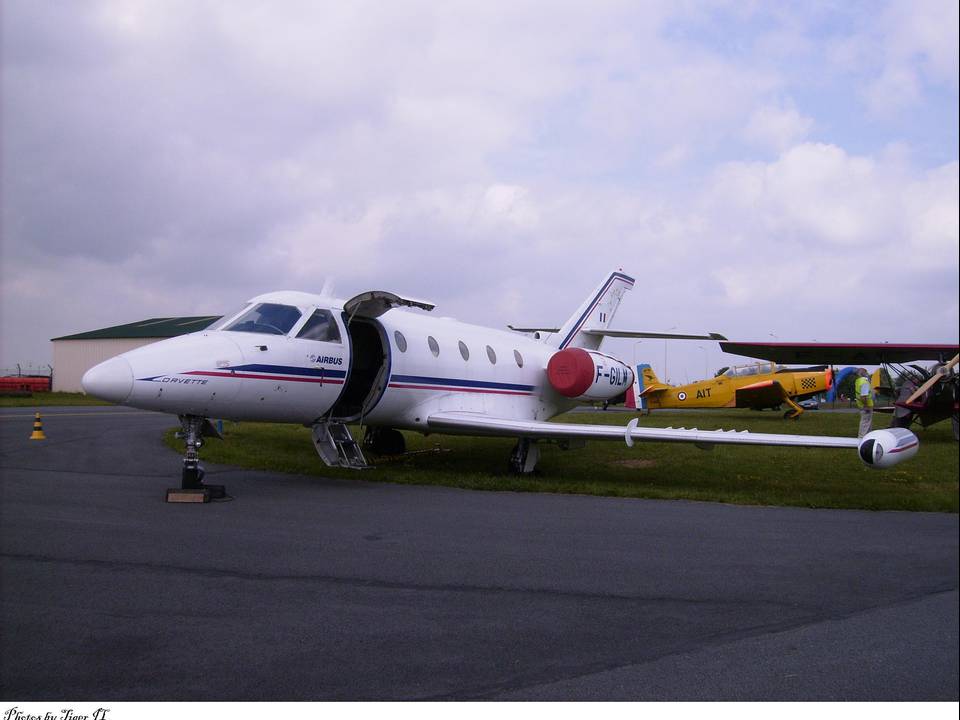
x=765, y=169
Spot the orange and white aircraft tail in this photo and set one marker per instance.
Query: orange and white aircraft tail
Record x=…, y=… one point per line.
x=594, y=314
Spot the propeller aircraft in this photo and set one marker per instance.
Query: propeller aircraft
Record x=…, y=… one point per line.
x=378, y=360
x=932, y=398
x=756, y=386
x=936, y=399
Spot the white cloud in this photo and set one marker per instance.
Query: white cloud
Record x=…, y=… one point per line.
x=918, y=45
x=777, y=126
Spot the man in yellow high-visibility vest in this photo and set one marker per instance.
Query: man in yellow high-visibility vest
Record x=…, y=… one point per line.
x=864, y=396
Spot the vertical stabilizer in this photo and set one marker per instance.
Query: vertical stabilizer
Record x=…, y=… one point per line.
x=648, y=379
x=596, y=312
x=636, y=398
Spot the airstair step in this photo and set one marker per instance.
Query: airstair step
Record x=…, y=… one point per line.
x=336, y=445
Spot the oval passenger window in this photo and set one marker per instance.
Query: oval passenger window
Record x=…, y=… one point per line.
x=434, y=347
x=491, y=355
x=464, y=351
x=518, y=357
x=401, y=341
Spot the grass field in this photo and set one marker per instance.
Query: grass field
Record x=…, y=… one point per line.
x=49, y=399
x=806, y=477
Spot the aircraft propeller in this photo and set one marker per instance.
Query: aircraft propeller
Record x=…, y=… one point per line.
x=933, y=380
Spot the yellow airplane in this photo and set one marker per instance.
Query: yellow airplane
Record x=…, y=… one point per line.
x=758, y=385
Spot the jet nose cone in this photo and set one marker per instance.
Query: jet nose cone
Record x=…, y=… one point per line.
x=110, y=380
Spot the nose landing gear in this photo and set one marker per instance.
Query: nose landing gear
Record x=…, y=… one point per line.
x=192, y=488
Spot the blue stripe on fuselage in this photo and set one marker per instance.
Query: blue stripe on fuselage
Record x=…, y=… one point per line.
x=289, y=370
x=424, y=380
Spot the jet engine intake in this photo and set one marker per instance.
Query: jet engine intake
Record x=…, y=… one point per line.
x=588, y=375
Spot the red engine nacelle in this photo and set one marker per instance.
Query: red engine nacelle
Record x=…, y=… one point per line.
x=588, y=375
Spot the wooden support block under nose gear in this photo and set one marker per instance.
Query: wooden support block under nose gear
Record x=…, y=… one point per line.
x=188, y=495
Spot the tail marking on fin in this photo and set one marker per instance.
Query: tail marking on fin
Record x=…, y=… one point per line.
x=614, y=277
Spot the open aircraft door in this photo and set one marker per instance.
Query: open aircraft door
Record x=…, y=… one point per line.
x=369, y=369
x=374, y=303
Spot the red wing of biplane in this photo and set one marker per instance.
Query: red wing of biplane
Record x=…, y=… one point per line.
x=840, y=353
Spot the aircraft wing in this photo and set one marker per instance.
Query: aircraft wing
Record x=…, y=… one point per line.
x=766, y=393
x=840, y=353
x=481, y=424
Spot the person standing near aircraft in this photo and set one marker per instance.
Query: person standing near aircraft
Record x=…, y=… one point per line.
x=864, y=395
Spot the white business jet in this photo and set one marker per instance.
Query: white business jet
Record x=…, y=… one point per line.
x=294, y=357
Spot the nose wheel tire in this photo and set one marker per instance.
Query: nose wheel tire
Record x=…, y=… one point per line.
x=192, y=478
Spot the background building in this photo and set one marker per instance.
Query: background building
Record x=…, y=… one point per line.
x=73, y=355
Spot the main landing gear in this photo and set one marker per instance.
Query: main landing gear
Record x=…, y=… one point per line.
x=192, y=488
x=384, y=441
x=794, y=412
x=524, y=457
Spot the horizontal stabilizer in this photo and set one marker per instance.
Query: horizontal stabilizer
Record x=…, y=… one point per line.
x=533, y=329
x=608, y=332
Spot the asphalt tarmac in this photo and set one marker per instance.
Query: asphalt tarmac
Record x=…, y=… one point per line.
x=310, y=589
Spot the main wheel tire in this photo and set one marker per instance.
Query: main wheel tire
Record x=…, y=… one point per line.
x=385, y=441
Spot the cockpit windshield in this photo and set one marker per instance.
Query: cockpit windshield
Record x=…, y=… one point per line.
x=754, y=369
x=266, y=318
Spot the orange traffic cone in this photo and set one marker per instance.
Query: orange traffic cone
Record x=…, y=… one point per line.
x=37, y=429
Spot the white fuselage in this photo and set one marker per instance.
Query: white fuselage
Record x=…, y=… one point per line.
x=393, y=370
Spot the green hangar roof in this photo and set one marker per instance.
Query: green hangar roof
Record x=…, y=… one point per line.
x=152, y=328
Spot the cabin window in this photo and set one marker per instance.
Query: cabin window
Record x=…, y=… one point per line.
x=321, y=326
x=464, y=350
x=491, y=355
x=266, y=318
x=518, y=357
x=434, y=346
x=401, y=341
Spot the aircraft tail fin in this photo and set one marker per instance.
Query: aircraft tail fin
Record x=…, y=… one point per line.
x=645, y=384
x=595, y=312
x=649, y=382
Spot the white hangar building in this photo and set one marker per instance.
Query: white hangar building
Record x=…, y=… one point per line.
x=73, y=355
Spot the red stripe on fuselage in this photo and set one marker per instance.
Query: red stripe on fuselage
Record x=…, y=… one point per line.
x=253, y=376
